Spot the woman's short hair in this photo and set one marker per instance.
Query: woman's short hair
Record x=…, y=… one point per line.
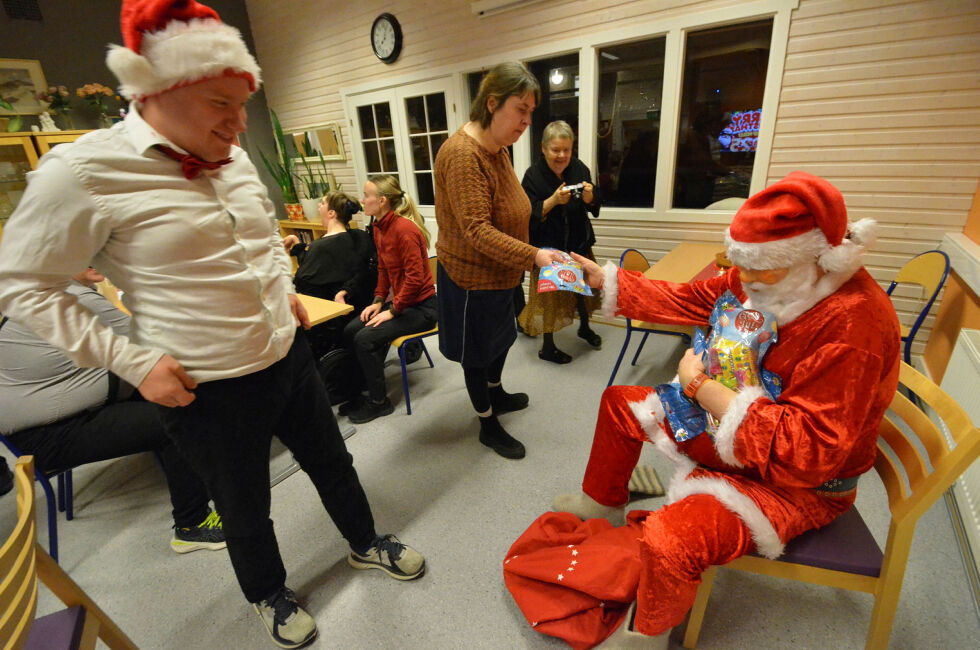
x=559, y=129
x=503, y=81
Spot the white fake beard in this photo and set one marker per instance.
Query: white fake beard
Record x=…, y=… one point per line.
x=790, y=297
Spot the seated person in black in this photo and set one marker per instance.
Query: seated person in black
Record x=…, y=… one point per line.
x=66, y=416
x=340, y=266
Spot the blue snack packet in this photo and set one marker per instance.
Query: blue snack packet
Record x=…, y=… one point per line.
x=563, y=275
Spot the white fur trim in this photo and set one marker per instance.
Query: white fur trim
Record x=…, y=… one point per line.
x=826, y=285
x=610, y=290
x=728, y=427
x=766, y=539
x=650, y=414
x=777, y=254
x=181, y=53
x=864, y=232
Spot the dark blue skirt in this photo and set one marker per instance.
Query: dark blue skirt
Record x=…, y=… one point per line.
x=475, y=326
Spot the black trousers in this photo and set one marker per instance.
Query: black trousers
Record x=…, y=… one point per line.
x=226, y=433
x=117, y=430
x=370, y=344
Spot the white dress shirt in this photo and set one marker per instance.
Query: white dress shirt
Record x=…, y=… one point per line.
x=200, y=262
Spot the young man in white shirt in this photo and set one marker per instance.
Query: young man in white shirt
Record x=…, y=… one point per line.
x=177, y=217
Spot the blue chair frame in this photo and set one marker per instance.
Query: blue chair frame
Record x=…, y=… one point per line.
x=399, y=343
x=908, y=338
x=64, y=502
x=630, y=328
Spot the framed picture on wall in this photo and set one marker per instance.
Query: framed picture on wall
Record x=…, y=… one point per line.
x=318, y=140
x=20, y=82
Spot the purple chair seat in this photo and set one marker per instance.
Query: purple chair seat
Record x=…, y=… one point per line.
x=61, y=629
x=844, y=544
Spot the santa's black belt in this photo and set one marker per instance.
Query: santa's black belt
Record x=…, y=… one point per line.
x=836, y=486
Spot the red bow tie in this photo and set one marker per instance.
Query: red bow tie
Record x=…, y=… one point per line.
x=190, y=164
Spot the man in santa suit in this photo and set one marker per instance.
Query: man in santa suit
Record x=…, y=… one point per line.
x=774, y=468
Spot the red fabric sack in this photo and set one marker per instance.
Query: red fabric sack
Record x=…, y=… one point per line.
x=575, y=579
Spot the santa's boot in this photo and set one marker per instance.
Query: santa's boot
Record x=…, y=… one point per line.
x=585, y=507
x=626, y=638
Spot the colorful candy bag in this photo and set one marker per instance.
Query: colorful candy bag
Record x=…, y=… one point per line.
x=563, y=275
x=732, y=355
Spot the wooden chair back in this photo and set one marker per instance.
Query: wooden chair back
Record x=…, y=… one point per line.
x=917, y=464
x=633, y=260
x=22, y=562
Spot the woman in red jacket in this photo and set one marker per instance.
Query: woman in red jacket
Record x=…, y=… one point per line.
x=405, y=298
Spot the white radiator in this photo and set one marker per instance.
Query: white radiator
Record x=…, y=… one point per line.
x=962, y=383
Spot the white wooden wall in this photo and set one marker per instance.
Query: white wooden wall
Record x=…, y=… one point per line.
x=879, y=96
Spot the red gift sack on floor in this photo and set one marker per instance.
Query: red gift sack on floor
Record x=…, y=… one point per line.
x=575, y=579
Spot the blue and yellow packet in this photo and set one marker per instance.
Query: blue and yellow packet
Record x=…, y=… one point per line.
x=732, y=355
x=563, y=275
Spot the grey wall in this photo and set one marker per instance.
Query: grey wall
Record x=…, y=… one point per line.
x=71, y=41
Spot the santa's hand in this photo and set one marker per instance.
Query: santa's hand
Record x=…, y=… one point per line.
x=689, y=367
x=594, y=275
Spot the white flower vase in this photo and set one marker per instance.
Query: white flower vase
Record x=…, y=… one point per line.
x=311, y=210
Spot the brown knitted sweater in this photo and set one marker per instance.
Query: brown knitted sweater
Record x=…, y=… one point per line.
x=483, y=214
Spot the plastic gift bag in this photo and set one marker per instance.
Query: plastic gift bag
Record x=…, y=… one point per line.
x=563, y=275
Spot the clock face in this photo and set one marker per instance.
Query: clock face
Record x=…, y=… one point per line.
x=386, y=38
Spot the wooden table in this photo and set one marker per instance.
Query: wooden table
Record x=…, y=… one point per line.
x=319, y=311
x=686, y=262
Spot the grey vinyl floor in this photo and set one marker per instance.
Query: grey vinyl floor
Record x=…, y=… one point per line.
x=432, y=483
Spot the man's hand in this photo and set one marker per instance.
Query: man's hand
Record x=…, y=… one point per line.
x=594, y=275
x=168, y=384
x=381, y=317
x=689, y=367
x=289, y=241
x=369, y=312
x=299, y=311
x=341, y=297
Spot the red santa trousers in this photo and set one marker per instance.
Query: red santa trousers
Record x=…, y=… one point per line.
x=681, y=540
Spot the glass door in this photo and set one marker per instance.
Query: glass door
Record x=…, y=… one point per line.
x=17, y=157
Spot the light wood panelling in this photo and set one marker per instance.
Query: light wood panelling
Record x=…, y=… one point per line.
x=881, y=97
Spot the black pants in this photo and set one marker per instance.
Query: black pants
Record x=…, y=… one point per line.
x=117, y=430
x=370, y=344
x=226, y=432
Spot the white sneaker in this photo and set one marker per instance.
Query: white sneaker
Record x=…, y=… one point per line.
x=585, y=507
x=625, y=638
x=287, y=623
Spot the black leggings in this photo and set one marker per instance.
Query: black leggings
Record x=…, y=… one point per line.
x=478, y=382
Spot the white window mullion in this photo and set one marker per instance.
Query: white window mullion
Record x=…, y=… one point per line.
x=669, y=119
x=588, y=109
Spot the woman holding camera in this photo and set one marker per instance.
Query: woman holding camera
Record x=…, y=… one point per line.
x=562, y=198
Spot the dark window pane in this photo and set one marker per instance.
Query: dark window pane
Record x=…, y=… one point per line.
x=389, y=162
x=366, y=117
x=383, y=113
x=558, y=78
x=721, y=105
x=415, y=114
x=427, y=195
x=435, y=141
x=372, y=157
x=436, y=103
x=420, y=152
x=631, y=77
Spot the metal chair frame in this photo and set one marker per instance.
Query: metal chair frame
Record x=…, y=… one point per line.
x=923, y=271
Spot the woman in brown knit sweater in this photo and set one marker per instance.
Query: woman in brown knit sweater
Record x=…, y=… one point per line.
x=483, y=214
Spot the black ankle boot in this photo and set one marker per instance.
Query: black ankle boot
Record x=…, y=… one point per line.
x=494, y=436
x=504, y=402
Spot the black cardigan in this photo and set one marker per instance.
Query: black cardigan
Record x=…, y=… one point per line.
x=566, y=227
x=341, y=261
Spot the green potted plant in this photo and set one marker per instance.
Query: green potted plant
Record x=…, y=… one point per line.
x=282, y=169
x=15, y=121
x=314, y=183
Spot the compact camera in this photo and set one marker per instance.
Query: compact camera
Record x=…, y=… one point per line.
x=575, y=190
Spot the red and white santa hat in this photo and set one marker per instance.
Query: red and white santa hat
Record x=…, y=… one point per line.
x=797, y=219
x=172, y=43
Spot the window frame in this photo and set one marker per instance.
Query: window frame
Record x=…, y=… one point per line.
x=675, y=30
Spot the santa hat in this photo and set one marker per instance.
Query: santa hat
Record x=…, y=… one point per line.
x=173, y=43
x=797, y=219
